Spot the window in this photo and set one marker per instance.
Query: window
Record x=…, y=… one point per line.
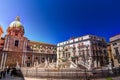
x=94, y=38
x=81, y=38
x=117, y=54
x=116, y=51
x=28, y=57
x=36, y=58
x=16, y=34
x=16, y=42
x=79, y=53
x=114, y=44
x=63, y=54
x=68, y=54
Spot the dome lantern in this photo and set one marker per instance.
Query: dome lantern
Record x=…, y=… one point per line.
x=17, y=18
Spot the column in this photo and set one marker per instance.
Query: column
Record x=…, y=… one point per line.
x=95, y=63
x=24, y=59
x=45, y=57
x=2, y=60
x=48, y=59
x=7, y=44
x=33, y=58
x=57, y=63
x=40, y=58
x=5, y=60
x=23, y=56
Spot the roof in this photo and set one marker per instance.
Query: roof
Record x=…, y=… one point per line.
x=114, y=38
x=35, y=42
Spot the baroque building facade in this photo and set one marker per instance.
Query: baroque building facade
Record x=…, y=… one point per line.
x=15, y=48
x=115, y=49
x=88, y=51
x=110, y=55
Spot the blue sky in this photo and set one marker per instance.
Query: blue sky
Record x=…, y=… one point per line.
x=54, y=21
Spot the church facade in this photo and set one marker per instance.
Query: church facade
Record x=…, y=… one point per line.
x=15, y=48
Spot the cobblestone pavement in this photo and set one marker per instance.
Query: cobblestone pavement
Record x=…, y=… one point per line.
x=8, y=77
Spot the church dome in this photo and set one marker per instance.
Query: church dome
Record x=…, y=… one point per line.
x=16, y=28
x=16, y=23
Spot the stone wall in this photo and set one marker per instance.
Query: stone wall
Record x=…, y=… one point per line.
x=13, y=58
